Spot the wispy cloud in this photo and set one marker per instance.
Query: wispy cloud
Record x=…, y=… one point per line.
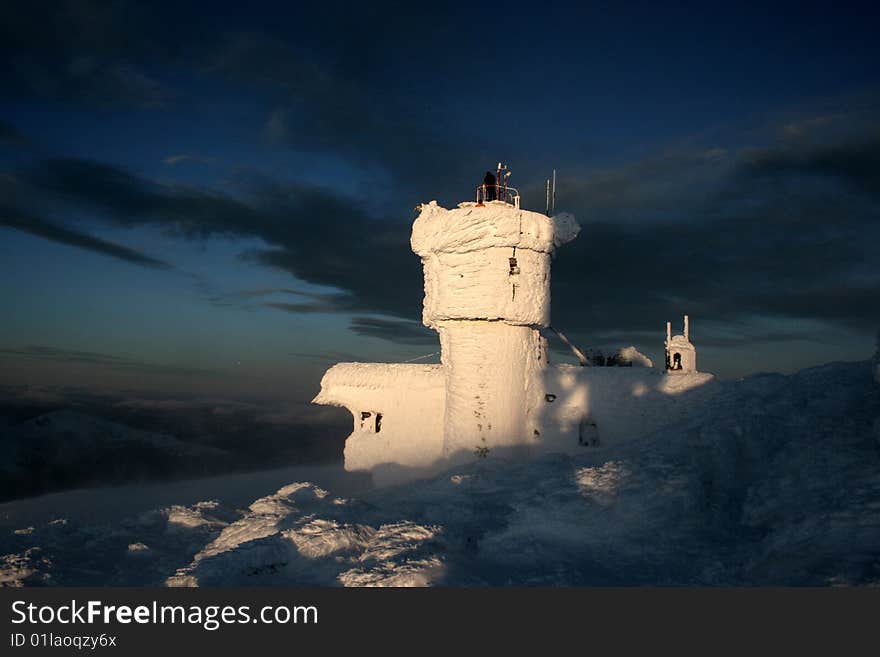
x=13, y=218
x=394, y=330
x=182, y=158
x=727, y=235
x=61, y=354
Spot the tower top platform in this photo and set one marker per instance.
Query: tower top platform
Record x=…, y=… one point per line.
x=496, y=224
x=488, y=262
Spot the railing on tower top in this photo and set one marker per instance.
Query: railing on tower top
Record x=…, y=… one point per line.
x=508, y=195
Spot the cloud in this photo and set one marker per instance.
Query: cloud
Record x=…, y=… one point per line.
x=68, y=355
x=326, y=106
x=802, y=127
x=174, y=160
x=723, y=234
x=314, y=100
x=86, y=77
x=86, y=52
x=855, y=162
x=12, y=218
x=790, y=231
x=276, y=127
x=315, y=303
x=60, y=354
x=311, y=232
x=394, y=330
x=730, y=268
x=129, y=54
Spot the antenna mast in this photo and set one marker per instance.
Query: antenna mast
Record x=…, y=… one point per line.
x=550, y=195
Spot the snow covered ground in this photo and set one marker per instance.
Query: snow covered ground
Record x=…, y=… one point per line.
x=776, y=481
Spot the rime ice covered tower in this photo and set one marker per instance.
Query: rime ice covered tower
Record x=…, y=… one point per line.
x=487, y=294
x=681, y=356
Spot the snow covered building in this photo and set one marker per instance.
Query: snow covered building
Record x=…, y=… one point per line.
x=681, y=356
x=487, y=294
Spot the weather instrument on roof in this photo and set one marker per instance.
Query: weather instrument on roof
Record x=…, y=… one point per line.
x=502, y=192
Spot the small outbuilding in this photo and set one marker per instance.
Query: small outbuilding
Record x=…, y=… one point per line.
x=681, y=356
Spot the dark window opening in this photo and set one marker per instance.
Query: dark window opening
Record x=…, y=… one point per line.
x=371, y=422
x=588, y=433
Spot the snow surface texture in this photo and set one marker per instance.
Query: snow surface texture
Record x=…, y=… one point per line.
x=611, y=405
x=776, y=482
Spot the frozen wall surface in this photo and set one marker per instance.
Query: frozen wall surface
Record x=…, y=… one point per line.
x=493, y=383
x=591, y=406
x=681, y=356
x=397, y=410
x=488, y=262
x=487, y=292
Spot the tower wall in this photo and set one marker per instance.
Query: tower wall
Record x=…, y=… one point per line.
x=487, y=292
x=493, y=384
x=679, y=345
x=496, y=283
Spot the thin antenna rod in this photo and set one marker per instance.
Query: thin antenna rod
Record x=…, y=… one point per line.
x=547, y=202
x=553, y=204
x=582, y=358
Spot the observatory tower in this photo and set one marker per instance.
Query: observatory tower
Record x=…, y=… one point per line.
x=487, y=293
x=486, y=266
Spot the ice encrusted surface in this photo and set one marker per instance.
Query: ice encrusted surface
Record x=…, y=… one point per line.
x=488, y=262
x=776, y=482
x=470, y=227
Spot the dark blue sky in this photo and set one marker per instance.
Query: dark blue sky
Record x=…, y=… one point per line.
x=215, y=200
